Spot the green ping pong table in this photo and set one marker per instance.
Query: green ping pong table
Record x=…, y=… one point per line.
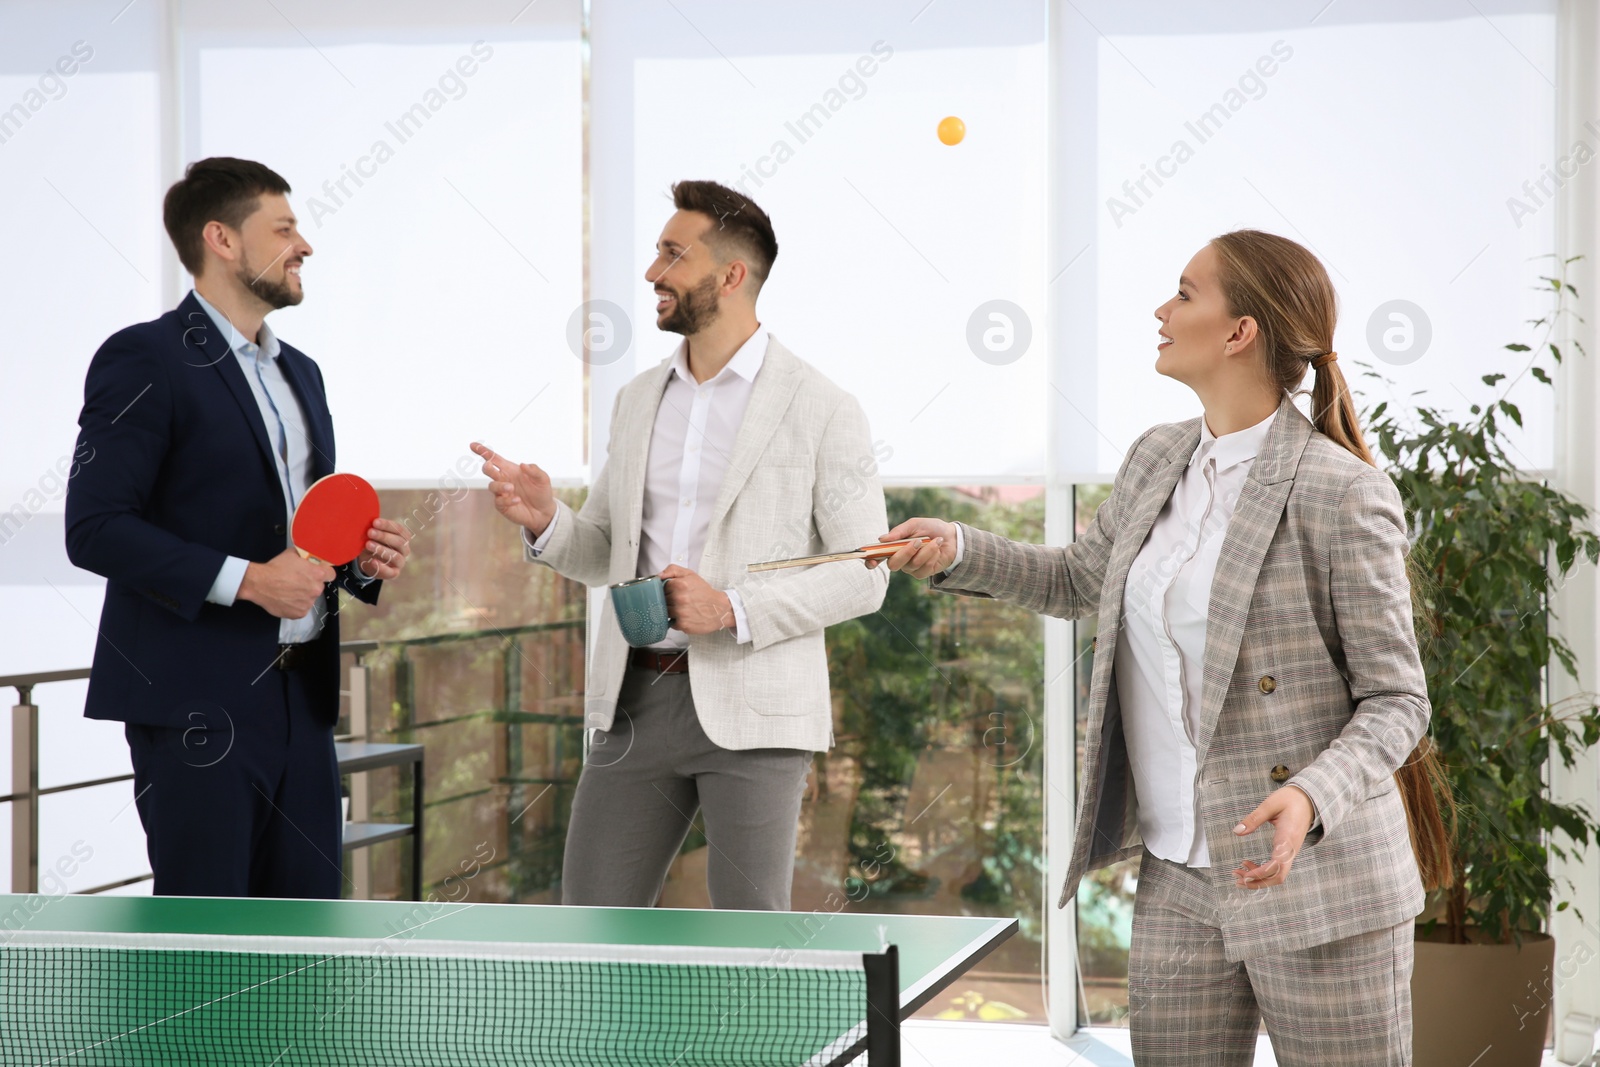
x=188, y=980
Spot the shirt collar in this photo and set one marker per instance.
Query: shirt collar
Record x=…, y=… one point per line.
x=1231, y=448
x=746, y=362
x=237, y=341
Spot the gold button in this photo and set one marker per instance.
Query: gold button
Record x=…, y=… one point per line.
x=1268, y=683
x=1280, y=773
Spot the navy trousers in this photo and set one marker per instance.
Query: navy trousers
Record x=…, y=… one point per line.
x=242, y=806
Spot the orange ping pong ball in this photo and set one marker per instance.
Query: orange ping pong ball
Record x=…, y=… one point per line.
x=952, y=130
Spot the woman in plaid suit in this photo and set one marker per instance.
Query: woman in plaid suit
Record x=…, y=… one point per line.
x=1257, y=702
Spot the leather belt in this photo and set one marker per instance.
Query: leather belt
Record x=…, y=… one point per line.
x=675, y=661
x=293, y=657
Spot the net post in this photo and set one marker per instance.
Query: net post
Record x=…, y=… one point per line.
x=883, y=1007
x=25, y=787
x=416, y=829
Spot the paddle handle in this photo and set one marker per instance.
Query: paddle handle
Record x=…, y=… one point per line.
x=308, y=556
x=880, y=551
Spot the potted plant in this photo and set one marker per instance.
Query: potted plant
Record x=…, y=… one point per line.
x=1489, y=546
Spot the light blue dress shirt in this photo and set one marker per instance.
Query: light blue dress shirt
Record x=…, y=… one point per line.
x=286, y=431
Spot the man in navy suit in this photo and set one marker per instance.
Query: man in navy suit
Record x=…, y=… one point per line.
x=219, y=645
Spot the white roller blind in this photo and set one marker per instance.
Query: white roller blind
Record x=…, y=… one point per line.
x=896, y=250
x=81, y=137
x=1388, y=138
x=435, y=154
x=80, y=174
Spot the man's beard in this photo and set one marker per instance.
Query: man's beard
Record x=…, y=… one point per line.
x=274, y=294
x=693, y=309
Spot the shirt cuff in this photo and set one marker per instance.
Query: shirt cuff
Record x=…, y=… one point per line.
x=961, y=550
x=741, y=623
x=537, y=545
x=225, y=588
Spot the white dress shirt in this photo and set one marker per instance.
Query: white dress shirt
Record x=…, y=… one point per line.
x=1161, y=654
x=281, y=413
x=691, y=446
x=1161, y=651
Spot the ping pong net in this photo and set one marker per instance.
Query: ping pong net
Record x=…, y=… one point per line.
x=127, y=998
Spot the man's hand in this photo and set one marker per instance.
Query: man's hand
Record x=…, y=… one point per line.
x=927, y=559
x=286, y=585
x=693, y=606
x=388, y=548
x=521, y=490
x=1290, y=813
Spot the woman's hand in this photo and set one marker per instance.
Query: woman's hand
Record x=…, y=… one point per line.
x=1290, y=812
x=927, y=559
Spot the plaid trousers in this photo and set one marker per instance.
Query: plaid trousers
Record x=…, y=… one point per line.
x=1346, y=1003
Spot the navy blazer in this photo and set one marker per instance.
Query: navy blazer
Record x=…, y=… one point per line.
x=175, y=474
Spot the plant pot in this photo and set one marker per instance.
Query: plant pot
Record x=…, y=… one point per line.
x=1483, y=1004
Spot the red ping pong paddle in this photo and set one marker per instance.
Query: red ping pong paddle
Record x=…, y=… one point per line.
x=331, y=521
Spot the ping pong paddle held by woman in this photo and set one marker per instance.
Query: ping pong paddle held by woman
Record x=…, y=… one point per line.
x=921, y=560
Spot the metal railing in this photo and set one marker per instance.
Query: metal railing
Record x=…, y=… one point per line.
x=26, y=790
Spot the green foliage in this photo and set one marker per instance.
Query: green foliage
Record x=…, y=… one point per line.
x=931, y=673
x=1105, y=921
x=882, y=664
x=1489, y=548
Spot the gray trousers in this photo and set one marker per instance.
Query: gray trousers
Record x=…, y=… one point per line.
x=641, y=785
x=1343, y=1004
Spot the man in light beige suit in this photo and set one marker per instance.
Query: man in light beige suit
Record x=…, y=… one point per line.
x=729, y=452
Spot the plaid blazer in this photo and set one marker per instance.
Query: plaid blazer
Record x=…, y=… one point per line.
x=1311, y=668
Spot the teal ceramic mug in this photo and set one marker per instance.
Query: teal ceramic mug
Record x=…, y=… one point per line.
x=641, y=607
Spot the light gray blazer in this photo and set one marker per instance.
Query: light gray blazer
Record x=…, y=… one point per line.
x=802, y=480
x=1311, y=665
